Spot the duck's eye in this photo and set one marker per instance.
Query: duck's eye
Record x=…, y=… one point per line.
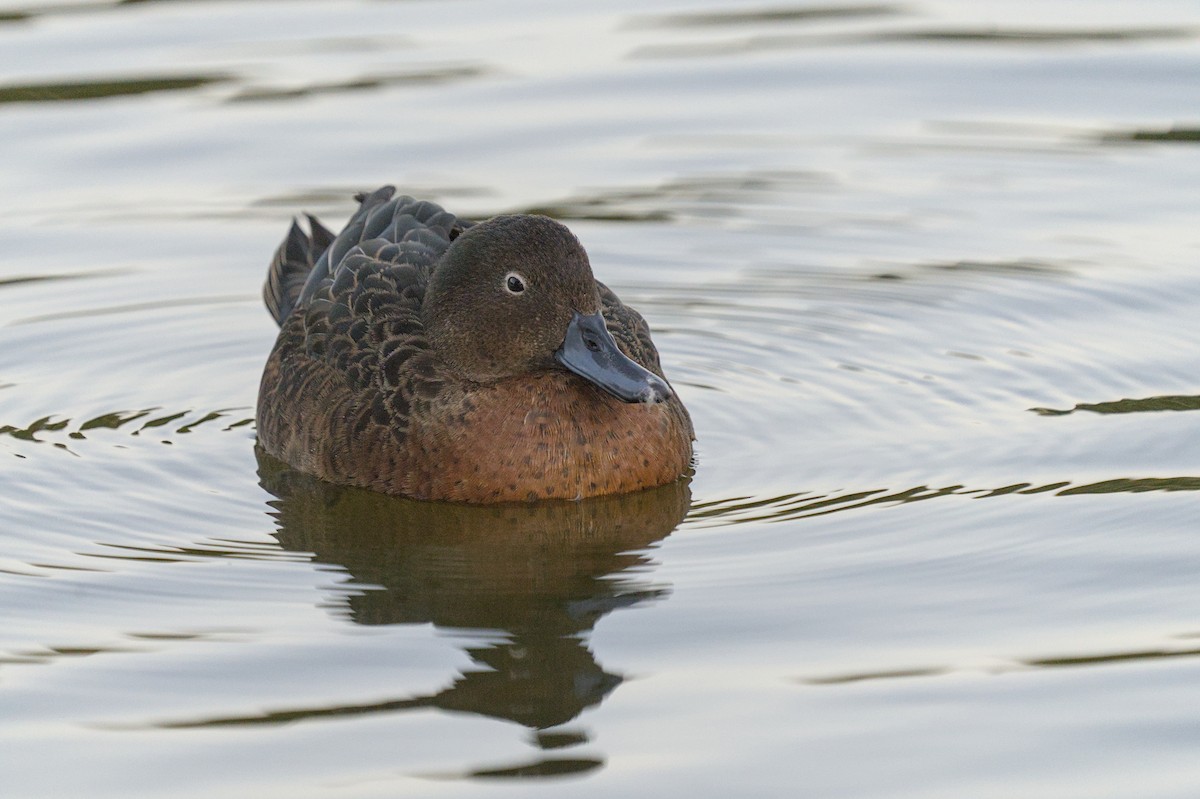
x=514, y=283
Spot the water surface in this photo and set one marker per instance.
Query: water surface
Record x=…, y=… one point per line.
x=923, y=273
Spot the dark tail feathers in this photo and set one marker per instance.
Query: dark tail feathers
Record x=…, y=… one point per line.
x=290, y=267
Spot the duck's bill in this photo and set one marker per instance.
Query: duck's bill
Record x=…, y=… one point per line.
x=590, y=351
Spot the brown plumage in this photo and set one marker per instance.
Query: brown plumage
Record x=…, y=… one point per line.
x=434, y=358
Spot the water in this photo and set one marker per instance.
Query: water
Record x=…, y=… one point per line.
x=923, y=274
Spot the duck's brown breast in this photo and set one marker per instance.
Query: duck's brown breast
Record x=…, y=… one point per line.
x=547, y=435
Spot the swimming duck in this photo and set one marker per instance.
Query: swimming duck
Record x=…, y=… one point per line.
x=431, y=357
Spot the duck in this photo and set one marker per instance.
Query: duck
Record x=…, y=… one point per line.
x=436, y=358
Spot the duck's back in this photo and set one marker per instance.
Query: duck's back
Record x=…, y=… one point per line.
x=351, y=332
x=405, y=233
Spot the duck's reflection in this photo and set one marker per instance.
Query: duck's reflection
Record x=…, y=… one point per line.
x=540, y=576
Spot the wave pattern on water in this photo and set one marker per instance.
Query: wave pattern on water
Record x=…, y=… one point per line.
x=147, y=421
x=1005, y=667
x=870, y=239
x=97, y=89
x=1176, y=134
x=743, y=510
x=965, y=36
x=427, y=77
x=1145, y=405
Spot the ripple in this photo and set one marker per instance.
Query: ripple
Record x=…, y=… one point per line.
x=949, y=36
x=1146, y=405
x=144, y=644
x=544, y=767
x=155, y=305
x=1135, y=486
x=55, y=653
x=800, y=505
x=276, y=717
x=536, y=769
x=708, y=196
x=223, y=549
x=1176, y=134
x=766, y=15
x=1032, y=36
x=432, y=76
x=1027, y=266
x=48, y=428
x=1005, y=667
x=103, y=88
x=870, y=676
x=21, y=280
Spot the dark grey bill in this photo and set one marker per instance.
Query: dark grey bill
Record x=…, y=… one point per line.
x=590, y=352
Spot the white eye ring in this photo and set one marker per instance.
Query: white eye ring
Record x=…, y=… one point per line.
x=514, y=283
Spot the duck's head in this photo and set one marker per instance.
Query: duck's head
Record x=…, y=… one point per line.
x=515, y=295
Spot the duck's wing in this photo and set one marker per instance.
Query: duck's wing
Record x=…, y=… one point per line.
x=356, y=324
x=304, y=264
x=291, y=266
x=633, y=337
x=629, y=329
